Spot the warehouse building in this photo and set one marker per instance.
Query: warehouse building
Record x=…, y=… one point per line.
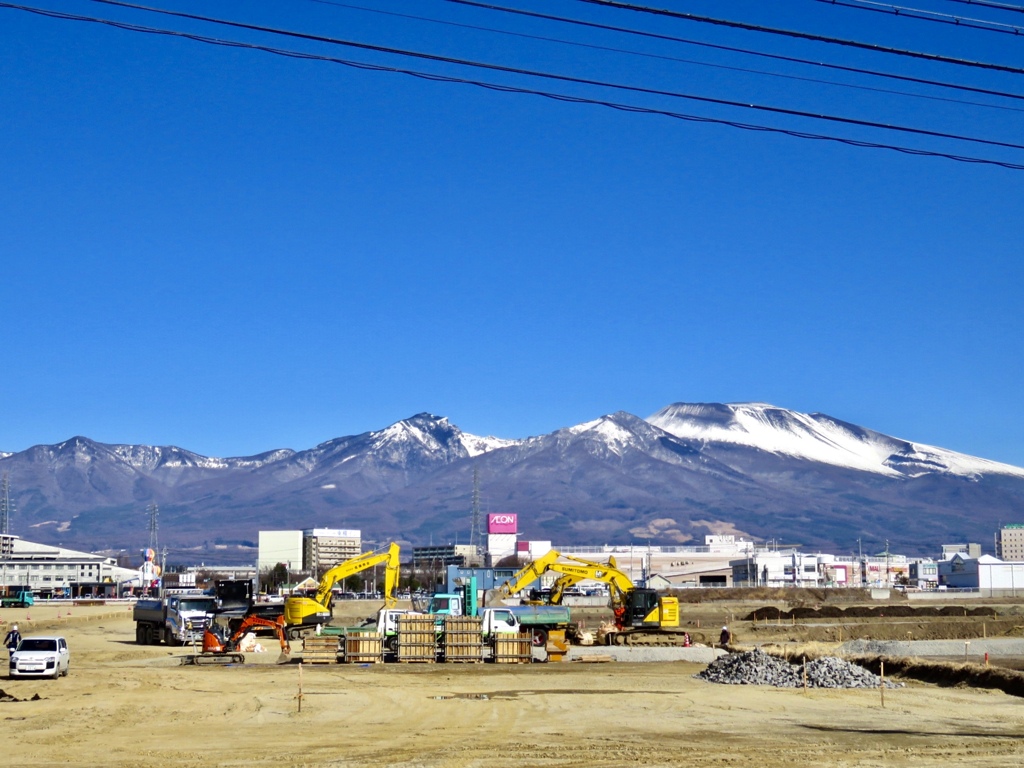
x=59, y=572
x=989, y=575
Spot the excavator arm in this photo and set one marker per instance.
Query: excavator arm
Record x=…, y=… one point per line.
x=306, y=611
x=361, y=563
x=258, y=622
x=526, y=575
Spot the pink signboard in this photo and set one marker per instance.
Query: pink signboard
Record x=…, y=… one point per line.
x=502, y=522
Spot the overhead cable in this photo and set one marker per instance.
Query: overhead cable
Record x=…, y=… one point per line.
x=517, y=89
x=660, y=57
x=990, y=4
x=565, y=78
x=922, y=15
x=800, y=35
x=734, y=49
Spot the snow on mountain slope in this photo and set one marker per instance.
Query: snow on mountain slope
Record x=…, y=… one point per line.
x=817, y=437
x=476, y=445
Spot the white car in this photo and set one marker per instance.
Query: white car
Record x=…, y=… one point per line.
x=40, y=657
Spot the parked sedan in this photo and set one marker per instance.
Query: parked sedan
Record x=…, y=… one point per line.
x=40, y=657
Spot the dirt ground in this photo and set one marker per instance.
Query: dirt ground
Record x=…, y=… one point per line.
x=130, y=705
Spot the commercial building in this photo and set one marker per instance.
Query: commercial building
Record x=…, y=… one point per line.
x=323, y=548
x=969, y=550
x=502, y=535
x=59, y=572
x=311, y=551
x=441, y=556
x=1010, y=542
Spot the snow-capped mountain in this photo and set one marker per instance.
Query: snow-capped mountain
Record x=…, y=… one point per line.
x=817, y=437
x=690, y=469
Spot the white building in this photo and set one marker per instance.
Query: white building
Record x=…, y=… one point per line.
x=57, y=571
x=283, y=547
x=985, y=573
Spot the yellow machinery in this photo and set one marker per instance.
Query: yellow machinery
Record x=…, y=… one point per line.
x=636, y=608
x=304, y=613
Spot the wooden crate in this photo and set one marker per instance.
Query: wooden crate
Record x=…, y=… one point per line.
x=513, y=648
x=363, y=648
x=320, y=649
x=463, y=642
x=417, y=638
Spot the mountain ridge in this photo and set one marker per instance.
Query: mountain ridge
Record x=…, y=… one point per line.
x=687, y=470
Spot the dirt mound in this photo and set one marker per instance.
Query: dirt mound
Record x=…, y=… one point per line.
x=772, y=613
x=6, y=697
x=789, y=595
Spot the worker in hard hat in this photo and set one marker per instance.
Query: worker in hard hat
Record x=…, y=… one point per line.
x=725, y=638
x=12, y=639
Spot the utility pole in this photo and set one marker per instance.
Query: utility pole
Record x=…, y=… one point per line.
x=861, y=570
x=888, y=581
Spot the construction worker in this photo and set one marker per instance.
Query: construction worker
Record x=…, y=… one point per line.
x=12, y=639
x=725, y=638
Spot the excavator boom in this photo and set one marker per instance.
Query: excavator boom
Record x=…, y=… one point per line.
x=306, y=611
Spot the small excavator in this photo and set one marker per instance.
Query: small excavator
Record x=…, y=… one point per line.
x=219, y=648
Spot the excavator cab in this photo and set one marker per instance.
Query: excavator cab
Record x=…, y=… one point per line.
x=641, y=608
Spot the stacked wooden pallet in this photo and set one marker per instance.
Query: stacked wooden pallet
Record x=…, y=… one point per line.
x=363, y=647
x=463, y=642
x=322, y=649
x=417, y=638
x=513, y=648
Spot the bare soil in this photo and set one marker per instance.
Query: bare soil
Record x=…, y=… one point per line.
x=130, y=705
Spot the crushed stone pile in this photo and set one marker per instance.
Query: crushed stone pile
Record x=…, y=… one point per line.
x=758, y=668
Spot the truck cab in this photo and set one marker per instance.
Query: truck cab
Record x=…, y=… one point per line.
x=446, y=604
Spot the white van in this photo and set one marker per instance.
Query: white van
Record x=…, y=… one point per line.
x=40, y=657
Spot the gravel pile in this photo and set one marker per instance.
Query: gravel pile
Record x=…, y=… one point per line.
x=758, y=668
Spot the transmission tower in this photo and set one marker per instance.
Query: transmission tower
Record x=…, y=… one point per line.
x=5, y=504
x=475, y=532
x=154, y=526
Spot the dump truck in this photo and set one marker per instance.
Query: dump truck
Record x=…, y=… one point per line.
x=175, y=619
x=18, y=598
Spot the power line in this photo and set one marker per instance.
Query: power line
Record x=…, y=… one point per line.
x=799, y=35
x=568, y=78
x=734, y=49
x=661, y=57
x=990, y=4
x=631, y=108
x=922, y=15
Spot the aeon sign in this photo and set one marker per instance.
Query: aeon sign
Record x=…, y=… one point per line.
x=502, y=522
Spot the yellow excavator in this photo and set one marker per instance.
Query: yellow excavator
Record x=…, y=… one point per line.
x=641, y=614
x=303, y=614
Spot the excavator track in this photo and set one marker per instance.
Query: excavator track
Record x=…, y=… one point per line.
x=213, y=659
x=652, y=639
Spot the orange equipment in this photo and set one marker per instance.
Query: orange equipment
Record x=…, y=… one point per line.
x=218, y=650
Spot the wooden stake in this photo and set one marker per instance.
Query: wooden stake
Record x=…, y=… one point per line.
x=299, y=697
x=881, y=682
x=805, y=674
x=984, y=629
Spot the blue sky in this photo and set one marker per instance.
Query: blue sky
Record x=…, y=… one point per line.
x=232, y=251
